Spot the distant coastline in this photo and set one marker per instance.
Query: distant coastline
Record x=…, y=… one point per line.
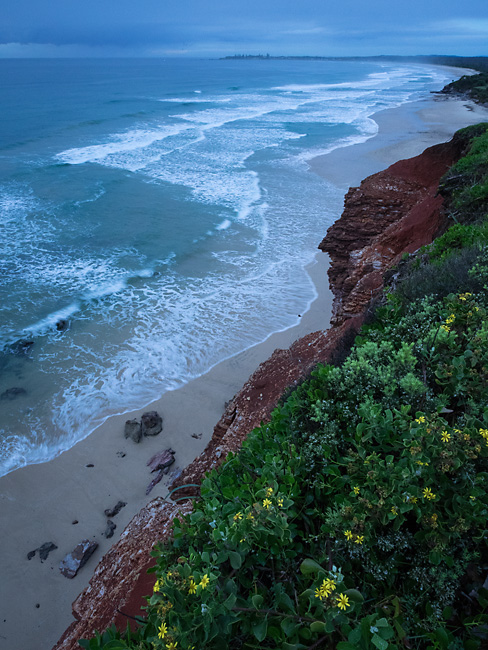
x=479, y=63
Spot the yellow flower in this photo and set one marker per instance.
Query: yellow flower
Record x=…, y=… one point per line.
x=445, y=437
x=157, y=586
x=204, y=581
x=473, y=498
x=192, y=588
x=420, y=420
x=162, y=630
x=172, y=645
x=394, y=511
x=267, y=504
x=329, y=585
x=356, y=490
x=348, y=535
x=269, y=491
x=238, y=516
x=280, y=502
x=484, y=433
x=359, y=539
x=450, y=319
x=428, y=494
x=446, y=328
x=242, y=540
x=342, y=601
x=325, y=589
x=250, y=515
x=413, y=499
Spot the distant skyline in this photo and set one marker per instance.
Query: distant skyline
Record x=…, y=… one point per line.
x=215, y=28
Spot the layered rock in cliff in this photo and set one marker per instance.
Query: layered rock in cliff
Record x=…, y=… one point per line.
x=392, y=212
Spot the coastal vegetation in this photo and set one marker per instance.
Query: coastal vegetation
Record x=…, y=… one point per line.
x=355, y=518
x=473, y=86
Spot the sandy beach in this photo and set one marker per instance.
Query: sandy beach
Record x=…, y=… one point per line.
x=40, y=503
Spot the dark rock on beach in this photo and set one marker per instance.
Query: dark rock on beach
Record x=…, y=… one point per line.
x=161, y=460
x=109, y=530
x=160, y=463
x=151, y=423
x=133, y=430
x=111, y=512
x=22, y=347
x=44, y=551
x=13, y=393
x=75, y=560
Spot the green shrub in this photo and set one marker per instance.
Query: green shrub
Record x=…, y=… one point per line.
x=364, y=499
x=465, y=186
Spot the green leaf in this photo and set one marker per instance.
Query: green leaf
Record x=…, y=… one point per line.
x=257, y=601
x=285, y=602
x=442, y=638
x=260, y=629
x=115, y=645
x=310, y=566
x=355, y=595
x=380, y=643
x=205, y=557
x=318, y=627
x=289, y=626
x=354, y=636
x=235, y=560
x=345, y=645
x=230, y=602
x=399, y=630
x=196, y=516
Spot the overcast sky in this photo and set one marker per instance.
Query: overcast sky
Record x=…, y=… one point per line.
x=212, y=28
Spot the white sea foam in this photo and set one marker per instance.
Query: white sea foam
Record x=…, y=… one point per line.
x=120, y=143
x=224, y=225
x=196, y=100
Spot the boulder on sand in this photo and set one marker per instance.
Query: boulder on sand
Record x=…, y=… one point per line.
x=151, y=423
x=133, y=430
x=75, y=560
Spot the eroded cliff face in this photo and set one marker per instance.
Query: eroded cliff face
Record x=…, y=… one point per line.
x=392, y=212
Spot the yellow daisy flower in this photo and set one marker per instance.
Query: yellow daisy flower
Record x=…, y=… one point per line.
x=342, y=601
x=162, y=630
x=204, y=581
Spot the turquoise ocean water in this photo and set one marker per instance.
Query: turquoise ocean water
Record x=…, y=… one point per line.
x=165, y=211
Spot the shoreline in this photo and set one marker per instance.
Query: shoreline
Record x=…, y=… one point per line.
x=32, y=510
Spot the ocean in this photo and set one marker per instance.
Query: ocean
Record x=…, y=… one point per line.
x=156, y=217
